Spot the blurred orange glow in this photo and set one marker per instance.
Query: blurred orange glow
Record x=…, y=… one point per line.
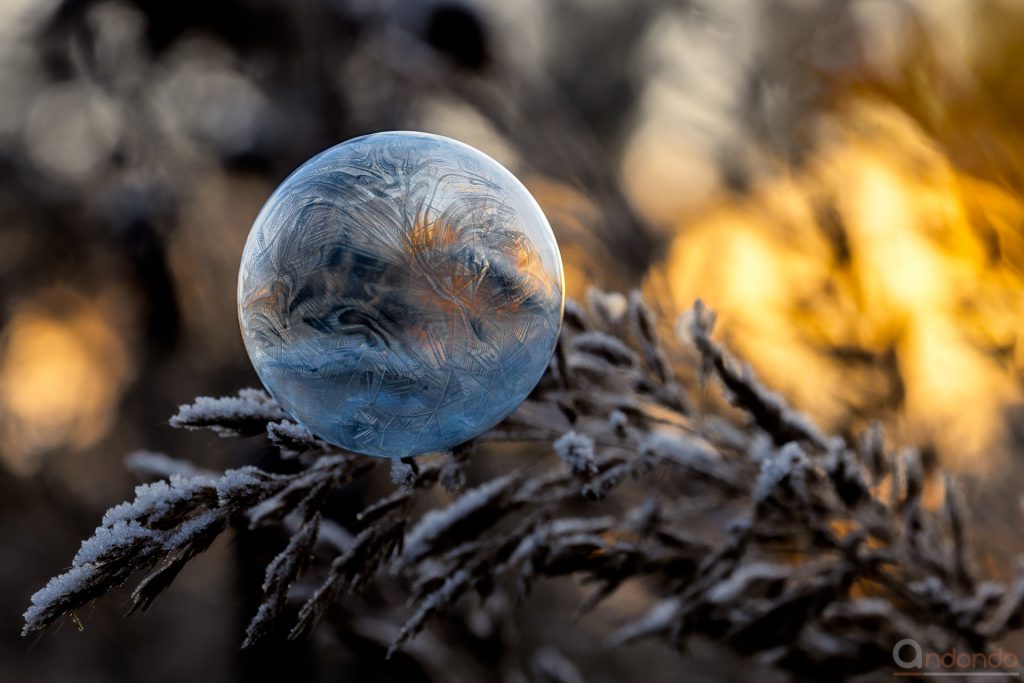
x=62, y=367
x=572, y=216
x=876, y=281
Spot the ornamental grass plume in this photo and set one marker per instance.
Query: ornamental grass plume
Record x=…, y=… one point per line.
x=739, y=522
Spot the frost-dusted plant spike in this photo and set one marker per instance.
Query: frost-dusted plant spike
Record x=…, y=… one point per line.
x=400, y=293
x=743, y=525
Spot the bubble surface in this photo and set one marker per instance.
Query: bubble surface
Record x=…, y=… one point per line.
x=400, y=293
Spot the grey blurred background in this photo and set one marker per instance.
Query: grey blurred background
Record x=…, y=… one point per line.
x=841, y=179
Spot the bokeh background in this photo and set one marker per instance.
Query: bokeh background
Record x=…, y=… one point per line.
x=840, y=179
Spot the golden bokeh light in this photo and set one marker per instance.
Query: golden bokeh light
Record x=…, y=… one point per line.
x=63, y=364
x=877, y=281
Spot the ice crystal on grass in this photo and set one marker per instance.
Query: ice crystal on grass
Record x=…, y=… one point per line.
x=469, y=513
x=244, y=414
x=133, y=536
x=750, y=527
x=292, y=439
x=577, y=452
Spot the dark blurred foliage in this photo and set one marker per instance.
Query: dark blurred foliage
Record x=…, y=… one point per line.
x=139, y=140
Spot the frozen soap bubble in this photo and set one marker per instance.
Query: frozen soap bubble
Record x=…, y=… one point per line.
x=400, y=293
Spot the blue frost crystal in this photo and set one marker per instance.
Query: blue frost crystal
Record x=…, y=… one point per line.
x=400, y=293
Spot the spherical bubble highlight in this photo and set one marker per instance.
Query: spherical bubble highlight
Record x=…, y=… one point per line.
x=400, y=293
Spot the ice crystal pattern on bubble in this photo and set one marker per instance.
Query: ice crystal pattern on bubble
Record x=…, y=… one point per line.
x=400, y=293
